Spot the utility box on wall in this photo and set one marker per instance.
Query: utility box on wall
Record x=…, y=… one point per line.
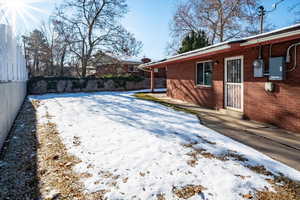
x=277, y=68
x=258, y=68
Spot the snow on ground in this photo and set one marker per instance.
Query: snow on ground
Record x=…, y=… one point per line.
x=135, y=149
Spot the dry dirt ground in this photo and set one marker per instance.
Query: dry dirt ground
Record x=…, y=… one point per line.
x=34, y=164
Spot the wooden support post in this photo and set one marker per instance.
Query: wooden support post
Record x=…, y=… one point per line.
x=152, y=80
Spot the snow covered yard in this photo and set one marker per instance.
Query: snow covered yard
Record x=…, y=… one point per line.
x=135, y=149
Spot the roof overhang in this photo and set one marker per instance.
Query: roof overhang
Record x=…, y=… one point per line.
x=184, y=57
x=277, y=36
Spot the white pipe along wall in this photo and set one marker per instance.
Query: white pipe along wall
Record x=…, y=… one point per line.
x=13, y=80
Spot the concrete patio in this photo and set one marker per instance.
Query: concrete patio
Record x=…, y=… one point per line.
x=277, y=143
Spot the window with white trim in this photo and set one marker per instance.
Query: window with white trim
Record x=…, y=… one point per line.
x=204, y=73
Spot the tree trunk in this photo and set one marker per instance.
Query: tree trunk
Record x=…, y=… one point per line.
x=62, y=59
x=221, y=30
x=221, y=35
x=83, y=67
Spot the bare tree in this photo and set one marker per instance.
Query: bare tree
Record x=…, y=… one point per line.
x=54, y=35
x=37, y=53
x=45, y=50
x=50, y=38
x=61, y=45
x=93, y=26
x=221, y=19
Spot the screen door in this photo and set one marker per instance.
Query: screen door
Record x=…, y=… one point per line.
x=234, y=83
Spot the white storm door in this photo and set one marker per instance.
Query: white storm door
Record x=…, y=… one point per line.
x=234, y=88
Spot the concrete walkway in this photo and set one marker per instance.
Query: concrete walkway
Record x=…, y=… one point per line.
x=277, y=143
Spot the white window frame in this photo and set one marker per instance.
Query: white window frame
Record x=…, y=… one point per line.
x=196, y=75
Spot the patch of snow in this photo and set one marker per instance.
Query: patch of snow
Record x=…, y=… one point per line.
x=148, y=90
x=134, y=148
x=2, y=163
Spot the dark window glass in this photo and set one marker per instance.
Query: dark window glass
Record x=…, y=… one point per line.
x=200, y=74
x=204, y=74
x=208, y=74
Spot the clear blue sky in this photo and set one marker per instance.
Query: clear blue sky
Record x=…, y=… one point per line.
x=149, y=20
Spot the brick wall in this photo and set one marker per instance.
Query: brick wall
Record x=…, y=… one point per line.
x=181, y=85
x=281, y=108
x=116, y=69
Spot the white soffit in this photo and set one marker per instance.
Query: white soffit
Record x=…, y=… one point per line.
x=272, y=37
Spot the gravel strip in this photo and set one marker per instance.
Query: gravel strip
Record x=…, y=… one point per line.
x=18, y=159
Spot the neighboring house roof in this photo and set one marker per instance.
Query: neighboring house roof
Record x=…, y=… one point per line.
x=291, y=32
x=131, y=60
x=108, y=59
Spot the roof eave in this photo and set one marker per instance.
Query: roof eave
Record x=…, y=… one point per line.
x=277, y=35
x=191, y=56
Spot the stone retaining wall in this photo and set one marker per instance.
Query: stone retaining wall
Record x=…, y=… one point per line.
x=70, y=85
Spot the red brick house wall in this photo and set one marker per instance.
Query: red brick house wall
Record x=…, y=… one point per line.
x=281, y=108
x=117, y=70
x=181, y=85
x=109, y=69
x=124, y=69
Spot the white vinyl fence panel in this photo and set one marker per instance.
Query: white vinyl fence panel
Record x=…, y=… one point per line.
x=13, y=77
x=12, y=60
